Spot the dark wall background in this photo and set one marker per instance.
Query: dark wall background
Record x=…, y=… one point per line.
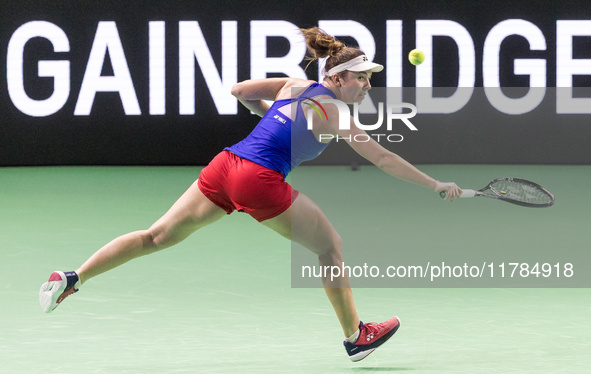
x=476, y=134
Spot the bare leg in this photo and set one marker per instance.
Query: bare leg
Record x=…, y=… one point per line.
x=190, y=212
x=307, y=225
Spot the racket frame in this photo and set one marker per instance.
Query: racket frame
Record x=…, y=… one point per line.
x=499, y=196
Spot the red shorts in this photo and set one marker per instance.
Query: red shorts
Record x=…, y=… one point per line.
x=234, y=183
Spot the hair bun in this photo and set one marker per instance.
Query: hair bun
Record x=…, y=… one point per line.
x=320, y=44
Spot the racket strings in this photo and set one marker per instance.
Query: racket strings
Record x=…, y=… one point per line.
x=517, y=191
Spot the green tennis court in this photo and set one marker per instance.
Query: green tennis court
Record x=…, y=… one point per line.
x=223, y=301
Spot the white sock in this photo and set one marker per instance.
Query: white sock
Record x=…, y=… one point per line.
x=77, y=284
x=353, y=338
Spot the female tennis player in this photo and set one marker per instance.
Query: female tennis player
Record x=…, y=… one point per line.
x=250, y=177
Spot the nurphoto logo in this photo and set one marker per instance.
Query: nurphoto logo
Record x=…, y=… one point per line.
x=345, y=120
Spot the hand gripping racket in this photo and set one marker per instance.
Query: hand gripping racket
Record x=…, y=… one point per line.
x=513, y=190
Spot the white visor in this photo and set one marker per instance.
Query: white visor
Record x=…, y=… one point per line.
x=359, y=63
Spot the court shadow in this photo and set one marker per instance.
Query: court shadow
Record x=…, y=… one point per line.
x=378, y=369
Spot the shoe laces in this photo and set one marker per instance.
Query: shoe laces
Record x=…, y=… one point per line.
x=375, y=328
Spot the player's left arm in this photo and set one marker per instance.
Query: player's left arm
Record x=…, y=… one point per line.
x=252, y=93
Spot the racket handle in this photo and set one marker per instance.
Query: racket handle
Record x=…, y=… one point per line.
x=465, y=194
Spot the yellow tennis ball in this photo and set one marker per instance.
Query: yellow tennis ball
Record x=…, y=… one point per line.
x=416, y=57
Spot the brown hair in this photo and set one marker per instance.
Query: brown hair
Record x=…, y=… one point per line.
x=321, y=45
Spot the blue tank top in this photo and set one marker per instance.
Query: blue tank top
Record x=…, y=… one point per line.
x=278, y=143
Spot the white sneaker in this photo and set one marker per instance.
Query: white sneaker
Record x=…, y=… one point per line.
x=59, y=286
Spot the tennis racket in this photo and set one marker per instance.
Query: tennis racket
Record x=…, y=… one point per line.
x=513, y=190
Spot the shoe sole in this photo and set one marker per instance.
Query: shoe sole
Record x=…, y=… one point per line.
x=361, y=355
x=51, y=291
